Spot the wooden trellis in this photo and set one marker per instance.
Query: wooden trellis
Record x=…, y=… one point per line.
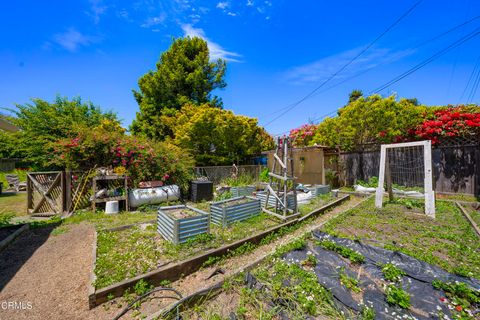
x=57, y=192
x=45, y=193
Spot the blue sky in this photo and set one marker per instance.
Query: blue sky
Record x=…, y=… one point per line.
x=277, y=51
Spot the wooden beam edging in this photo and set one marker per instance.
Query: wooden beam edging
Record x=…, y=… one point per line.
x=91, y=285
x=5, y=242
x=465, y=213
x=173, y=272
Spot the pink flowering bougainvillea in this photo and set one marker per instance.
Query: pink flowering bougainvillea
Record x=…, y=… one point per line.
x=143, y=159
x=303, y=135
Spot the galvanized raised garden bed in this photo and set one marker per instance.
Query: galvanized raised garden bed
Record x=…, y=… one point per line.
x=242, y=191
x=262, y=195
x=319, y=189
x=180, y=223
x=226, y=212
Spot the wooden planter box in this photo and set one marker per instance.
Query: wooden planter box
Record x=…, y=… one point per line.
x=226, y=212
x=262, y=196
x=177, y=229
x=319, y=189
x=242, y=191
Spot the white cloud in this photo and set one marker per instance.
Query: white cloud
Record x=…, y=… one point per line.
x=233, y=14
x=97, y=9
x=250, y=3
x=153, y=21
x=222, y=5
x=72, y=40
x=216, y=50
x=323, y=68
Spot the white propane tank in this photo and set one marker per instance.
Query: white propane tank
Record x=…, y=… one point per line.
x=111, y=207
x=138, y=197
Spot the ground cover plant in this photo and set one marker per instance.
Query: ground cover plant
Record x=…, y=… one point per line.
x=116, y=258
x=447, y=241
x=288, y=285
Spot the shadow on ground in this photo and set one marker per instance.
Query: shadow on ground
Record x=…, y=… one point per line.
x=17, y=253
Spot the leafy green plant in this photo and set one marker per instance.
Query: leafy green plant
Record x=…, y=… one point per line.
x=263, y=176
x=310, y=261
x=392, y=273
x=459, y=292
x=223, y=196
x=397, y=296
x=201, y=238
x=142, y=287
x=367, y=313
x=350, y=283
x=5, y=219
x=345, y=252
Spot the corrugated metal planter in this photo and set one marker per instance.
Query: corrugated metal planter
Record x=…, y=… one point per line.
x=262, y=195
x=319, y=189
x=179, y=230
x=226, y=212
x=242, y=191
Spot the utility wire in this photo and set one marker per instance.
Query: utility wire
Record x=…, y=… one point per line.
x=472, y=76
x=348, y=63
x=474, y=88
x=440, y=53
x=414, y=48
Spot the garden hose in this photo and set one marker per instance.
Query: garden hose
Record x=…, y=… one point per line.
x=124, y=311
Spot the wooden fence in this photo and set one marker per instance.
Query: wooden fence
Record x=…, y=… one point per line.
x=218, y=173
x=57, y=192
x=456, y=168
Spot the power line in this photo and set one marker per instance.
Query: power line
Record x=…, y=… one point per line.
x=472, y=75
x=427, y=61
x=347, y=64
x=414, y=48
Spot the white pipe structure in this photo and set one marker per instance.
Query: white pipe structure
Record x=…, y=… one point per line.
x=428, y=174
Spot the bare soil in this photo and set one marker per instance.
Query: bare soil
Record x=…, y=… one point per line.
x=50, y=273
x=181, y=213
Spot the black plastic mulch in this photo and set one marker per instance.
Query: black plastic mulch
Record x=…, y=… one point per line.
x=426, y=301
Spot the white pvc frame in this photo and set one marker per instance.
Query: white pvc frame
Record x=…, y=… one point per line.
x=428, y=182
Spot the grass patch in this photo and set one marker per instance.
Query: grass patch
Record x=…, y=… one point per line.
x=13, y=204
x=350, y=283
x=448, y=241
x=315, y=203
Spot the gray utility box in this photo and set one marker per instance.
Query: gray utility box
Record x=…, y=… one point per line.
x=177, y=224
x=242, y=191
x=319, y=189
x=262, y=196
x=226, y=212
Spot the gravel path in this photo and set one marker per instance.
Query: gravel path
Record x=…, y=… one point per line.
x=47, y=275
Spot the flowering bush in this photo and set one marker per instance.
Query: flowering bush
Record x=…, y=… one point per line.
x=451, y=122
x=302, y=136
x=141, y=159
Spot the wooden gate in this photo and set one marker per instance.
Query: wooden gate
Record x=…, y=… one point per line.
x=45, y=193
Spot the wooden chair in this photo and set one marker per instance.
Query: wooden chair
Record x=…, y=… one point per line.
x=14, y=182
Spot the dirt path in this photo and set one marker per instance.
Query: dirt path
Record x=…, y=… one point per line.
x=47, y=275
x=198, y=280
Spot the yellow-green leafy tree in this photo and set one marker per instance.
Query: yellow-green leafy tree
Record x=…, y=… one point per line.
x=216, y=136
